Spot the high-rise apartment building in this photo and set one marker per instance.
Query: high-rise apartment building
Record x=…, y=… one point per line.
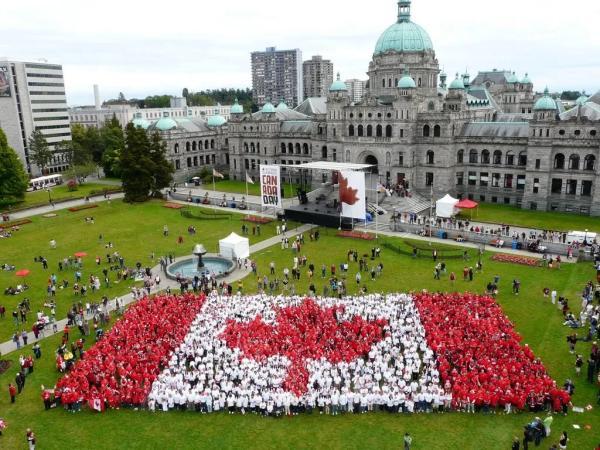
x=356, y=89
x=317, y=74
x=277, y=75
x=32, y=97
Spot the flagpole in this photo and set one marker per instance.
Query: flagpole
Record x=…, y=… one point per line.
x=377, y=211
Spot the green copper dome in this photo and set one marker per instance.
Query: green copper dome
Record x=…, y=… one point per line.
x=526, y=79
x=281, y=106
x=457, y=83
x=237, y=108
x=216, y=121
x=513, y=78
x=404, y=36
x=582, y=99
x=268, y=108
x=406, y=82
x=140, y=122
x=545, y=103
x=166, y=124
x=338, y=85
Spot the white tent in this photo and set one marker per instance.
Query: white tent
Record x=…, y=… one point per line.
x=445, y=207
x=234, y=246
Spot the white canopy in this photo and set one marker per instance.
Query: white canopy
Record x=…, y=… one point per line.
x=330, y=166
x=445, y=207
x=234, y=246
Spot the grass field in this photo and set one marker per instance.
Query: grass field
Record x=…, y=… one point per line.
x=239, y=187
x=41, y=198
x=137, y=229
x=510, y=215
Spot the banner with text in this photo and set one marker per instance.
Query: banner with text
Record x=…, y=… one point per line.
x=353, y=194
x=270, y=186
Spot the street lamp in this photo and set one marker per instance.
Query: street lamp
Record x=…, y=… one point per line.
x=199, y=251
x=585, y=237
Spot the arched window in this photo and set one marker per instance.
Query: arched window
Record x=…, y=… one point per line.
x=388, y=131
x=498, y=157
x=200, y=146
x=460, y=156
x=590, y=162
x=473, y=155
x=245, y=147
x=298, y=149
x=206, y=145
x=291, y=148
x=430, y=157
x=389, y=82
x=351, y=130
x=430, y=106
x=305, y=148
x=426, y=131
x=559, y=161
x=176, y=148
x=510, y=158
x=324, y=152
x=252, y=147
x=379, y=131
x=212, y=143
x=369, y=130
x=383, y=83
x=360, y=130
x=437, y=131
x=523, y=159
x=574, y=162
x=485, y=157
x=188, y=146
x=193, y=146
x=283, y=148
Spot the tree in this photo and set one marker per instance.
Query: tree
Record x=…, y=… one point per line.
x=185, y=93
x=39, y=151
x=13, y=179
x=75, y=153
x=163, y=169
x=570, y=95
x=137, y=167
x=113, y=141
x=78, y=172
x=111, y=163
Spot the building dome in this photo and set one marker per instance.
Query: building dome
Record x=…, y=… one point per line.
x=526, y=79
x=338, y=85
x=165, y=124
x=457, y=83
x=513, y=78
x=546, y=103
x=140, y=122
x=268, y=108
x=404, y=36
x=216, y=121
x=406, y=82
x=281, y=106
x=237, y=108
x=582, y=99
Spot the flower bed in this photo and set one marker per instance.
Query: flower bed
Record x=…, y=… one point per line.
x=14, y=223
x=172, y=205
x=516, y=259
x=83, y=207
x=4, y=366
x=257, y=219
x=356, y=235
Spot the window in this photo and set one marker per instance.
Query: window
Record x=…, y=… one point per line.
x=429, y=179
x=430, y=106
x=485, y=157
x=559, y=161
x=177, y=164
x=494, y=199
x=571, y=187
x=401, y=159
x=426, y=131
x=510, y=159
x=508, y=180
x=460, y=156
x=556, y=186
x=577, y=132
x=586, y=188
x=360, y=130
x=522, y=159
x=324, y=152
x=388, y=131
x=507, y=200
x=369, y=130
x=520, y=182
x=498, y=157
x=283, y=149
x=593, y=133
x=430, y=157
x=574, y=162
x=334, y=155
x=533, y=206
x=351, y=130
x=473, y=156
x=589, y=162
x=472, y=178
x=437, y=131
x=195, y=161
x=176, y=148
x=483, y=179
x=538, y=163
x=536, y=185
x=379, y=131
x=383, y=83
x=460, y=178
x=561, y=132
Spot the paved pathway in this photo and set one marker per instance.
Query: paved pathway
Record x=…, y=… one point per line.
x=238, y=274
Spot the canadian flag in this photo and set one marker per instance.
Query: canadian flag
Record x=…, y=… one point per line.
x=96, y=404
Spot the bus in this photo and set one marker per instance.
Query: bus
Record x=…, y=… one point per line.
x=48, y=181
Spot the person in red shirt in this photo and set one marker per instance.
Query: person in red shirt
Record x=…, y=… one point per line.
x=12, y=391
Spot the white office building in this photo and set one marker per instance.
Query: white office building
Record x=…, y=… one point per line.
x=32, y=97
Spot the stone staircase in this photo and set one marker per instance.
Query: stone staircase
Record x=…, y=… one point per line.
x=416, y=203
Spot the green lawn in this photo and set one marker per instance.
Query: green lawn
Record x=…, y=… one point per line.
x=510, y=215
x=41, y=198
x=239, y=187
x=137, y=229
x=135, y=232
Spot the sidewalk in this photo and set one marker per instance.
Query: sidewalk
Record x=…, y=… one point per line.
x=238, y=274
x=38, y=211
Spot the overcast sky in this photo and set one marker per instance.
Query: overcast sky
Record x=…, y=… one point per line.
x=155, y=47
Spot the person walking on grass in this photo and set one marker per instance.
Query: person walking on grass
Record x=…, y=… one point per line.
x=407, y=441
x=30, y=436
x=12, y=392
